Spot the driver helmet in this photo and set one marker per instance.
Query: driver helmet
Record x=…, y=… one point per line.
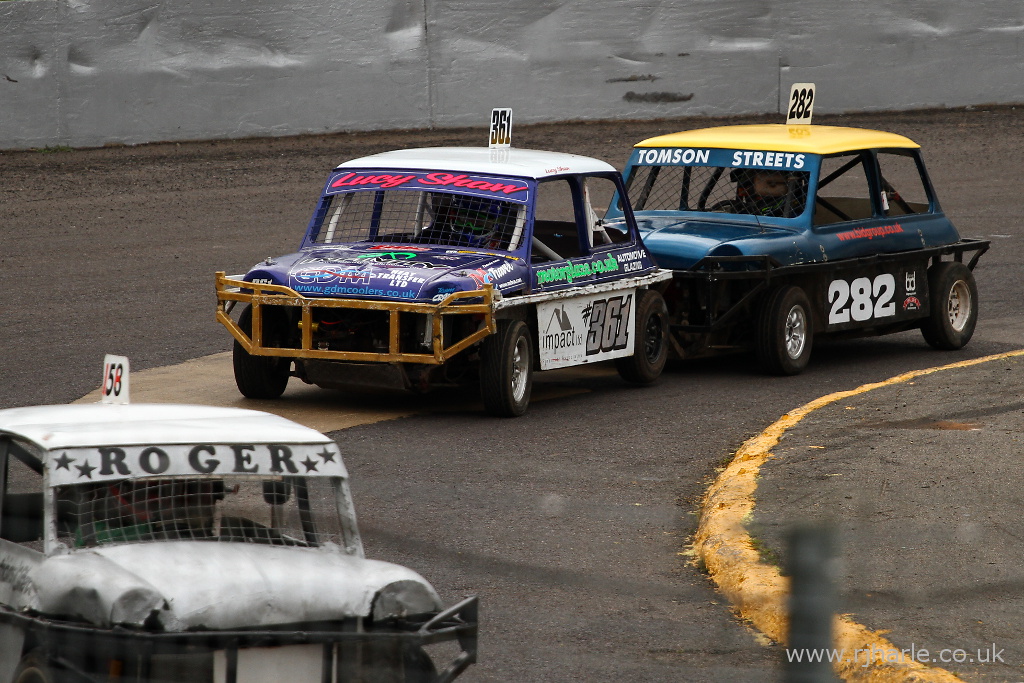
x=769, y=192
x=477, y=221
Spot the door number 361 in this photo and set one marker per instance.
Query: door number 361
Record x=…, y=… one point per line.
x=862, y=299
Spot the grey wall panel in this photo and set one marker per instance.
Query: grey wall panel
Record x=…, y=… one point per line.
x=93, y=72
x=31, y=74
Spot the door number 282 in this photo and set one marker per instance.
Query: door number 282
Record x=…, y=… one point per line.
x=862, y=299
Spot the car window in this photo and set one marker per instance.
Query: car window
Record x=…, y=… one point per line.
x=555, y=232
x=843, y=190
x=598, y=191
x=720, y=189
x=22, y=504
x=903, y=188
x=401, y=216
x=286, y=511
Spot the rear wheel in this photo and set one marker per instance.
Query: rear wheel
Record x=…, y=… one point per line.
x=651, y=348
x=506, y=369
x=953, y=304
x=261, y=376
x=784, y=335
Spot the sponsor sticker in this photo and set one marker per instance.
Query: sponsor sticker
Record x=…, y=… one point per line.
x=586, y=329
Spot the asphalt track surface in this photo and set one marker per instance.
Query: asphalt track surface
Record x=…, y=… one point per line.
x=572, y=523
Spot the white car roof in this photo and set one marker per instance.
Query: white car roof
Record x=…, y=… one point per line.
x=89, y=425
x=525, y=163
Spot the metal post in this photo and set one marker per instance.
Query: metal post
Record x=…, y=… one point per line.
x=812, y=604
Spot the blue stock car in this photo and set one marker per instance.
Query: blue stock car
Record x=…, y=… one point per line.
x=438, y=266
x=780, y=233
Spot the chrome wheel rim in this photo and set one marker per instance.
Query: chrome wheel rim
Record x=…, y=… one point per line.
x=796, y=332
x=958, y=306
x=520, y=368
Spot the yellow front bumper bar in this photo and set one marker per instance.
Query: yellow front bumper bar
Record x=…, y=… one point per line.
x=229, y=292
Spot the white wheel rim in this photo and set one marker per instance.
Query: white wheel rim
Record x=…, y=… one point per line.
x=958, y=306
x=520, y=368
x=796, y=332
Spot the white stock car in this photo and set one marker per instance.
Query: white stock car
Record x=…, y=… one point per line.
x=200, y=544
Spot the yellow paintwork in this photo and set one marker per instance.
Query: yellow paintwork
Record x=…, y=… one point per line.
x=278, y=295
x=782, y=138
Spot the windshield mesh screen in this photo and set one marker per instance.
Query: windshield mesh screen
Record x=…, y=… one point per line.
x=288, y=511
x=413, y=217
x=720, y=189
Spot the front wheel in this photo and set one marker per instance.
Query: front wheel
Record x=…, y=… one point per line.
x=261, y=376
x=650, y=350
x=36, y=668
x=953, y=306
x=506, y=369
x=784, y=333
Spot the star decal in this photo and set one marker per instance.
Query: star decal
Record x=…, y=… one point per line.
x=85, y=470
x=327, y=455
x=64, y=462
x=310, y=464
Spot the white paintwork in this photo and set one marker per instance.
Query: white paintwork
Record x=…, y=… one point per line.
x=216, y=459
x=525, y=163
x=216, y=585
x=85, y=425
x=291, y=663
x=564, y=328
x=569, y=292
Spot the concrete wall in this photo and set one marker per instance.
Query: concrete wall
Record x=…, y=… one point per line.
x=91, y=72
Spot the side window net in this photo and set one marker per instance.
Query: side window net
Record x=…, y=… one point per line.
x=414, y=217
x=718, y=189
x=284, y=511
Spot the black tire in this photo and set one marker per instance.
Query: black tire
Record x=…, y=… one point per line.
x=953, y=306
x=506, y=369
x=419, y=668
x=35, y=668
x=651, y=348
x=262, y=377
x=784, y=336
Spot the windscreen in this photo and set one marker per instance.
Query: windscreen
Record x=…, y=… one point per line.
x=422, y=208
x=776, y=192
x=285, y=511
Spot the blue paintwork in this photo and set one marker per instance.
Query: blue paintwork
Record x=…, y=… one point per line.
x=383, y=272
x=679, y=239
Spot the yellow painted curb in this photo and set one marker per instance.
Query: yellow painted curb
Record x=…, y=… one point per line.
x=757, y=591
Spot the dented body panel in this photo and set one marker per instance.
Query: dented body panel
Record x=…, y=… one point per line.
x=166, y=528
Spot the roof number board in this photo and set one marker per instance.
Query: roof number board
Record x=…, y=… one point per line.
x=801, y=104
x=501, y=128
x=114, y=388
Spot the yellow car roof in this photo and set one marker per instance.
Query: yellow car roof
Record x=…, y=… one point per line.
x=782, y=138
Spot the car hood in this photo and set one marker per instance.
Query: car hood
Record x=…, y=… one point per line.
x=391, y=272
x=679, y=244
x=178, y=586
